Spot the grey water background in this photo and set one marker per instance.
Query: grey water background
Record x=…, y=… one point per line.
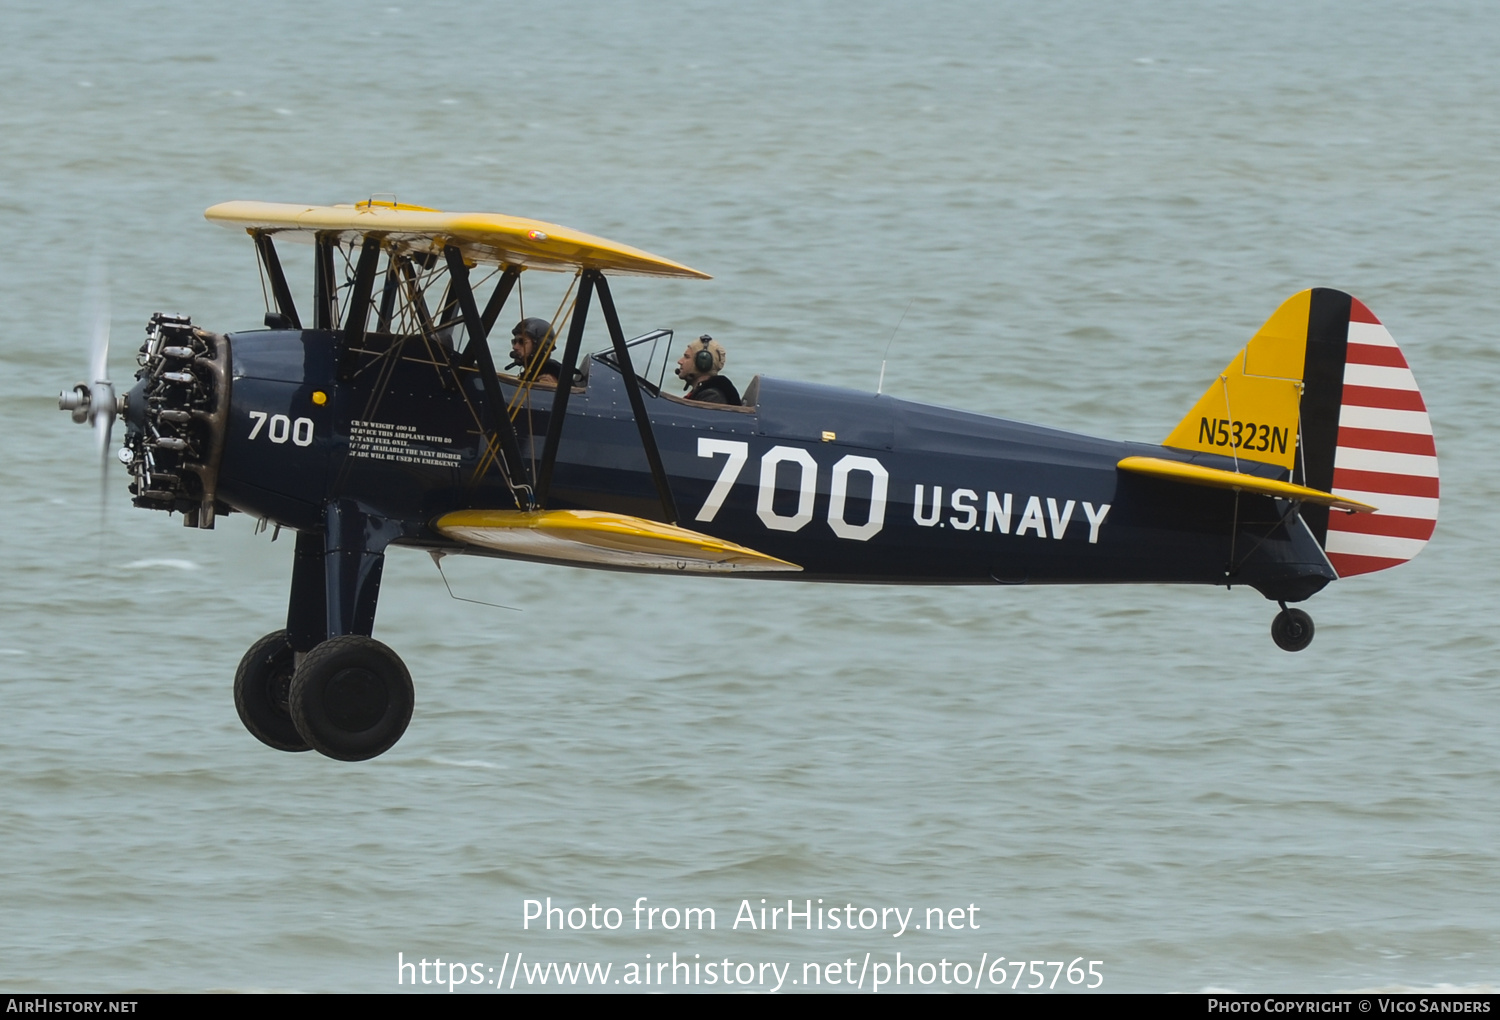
x=1086, y=207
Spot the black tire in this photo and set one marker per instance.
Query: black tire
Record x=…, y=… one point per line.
x=262, y=687
x=351, y=698
x=1292, y=630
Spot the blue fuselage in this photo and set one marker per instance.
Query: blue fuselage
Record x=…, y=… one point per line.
x=850, y=486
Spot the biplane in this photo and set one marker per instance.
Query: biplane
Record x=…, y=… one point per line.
x=377, y=417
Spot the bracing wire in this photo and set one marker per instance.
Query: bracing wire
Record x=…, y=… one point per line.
x=437, y=561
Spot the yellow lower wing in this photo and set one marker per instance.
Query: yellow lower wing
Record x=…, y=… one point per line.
x=1197, y=474
x=596, y=538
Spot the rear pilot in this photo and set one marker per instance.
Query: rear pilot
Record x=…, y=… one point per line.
x=699, y=370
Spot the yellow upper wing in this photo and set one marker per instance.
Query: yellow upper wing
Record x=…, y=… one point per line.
x=482, y=237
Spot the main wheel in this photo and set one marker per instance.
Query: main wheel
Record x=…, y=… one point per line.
x=351, y=698
x=1292, y=630
x=262, y=685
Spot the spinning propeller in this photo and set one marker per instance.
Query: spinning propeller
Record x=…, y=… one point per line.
x=94, y=401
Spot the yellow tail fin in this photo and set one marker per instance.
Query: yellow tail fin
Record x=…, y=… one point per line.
x=1250, y=411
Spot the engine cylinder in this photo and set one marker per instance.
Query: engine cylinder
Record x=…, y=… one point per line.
x=176, y=416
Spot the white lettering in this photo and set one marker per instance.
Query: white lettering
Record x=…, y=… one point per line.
x=838, y=494
x=806, y=490
x=745, y=913
x=1032, y=518
x=738, y=453
x=1059, y=523
x=963, y=500
x=1096, y=518
x=996, y=513
x=937, y=506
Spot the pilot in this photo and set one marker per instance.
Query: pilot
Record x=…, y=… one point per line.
x=530, y=341
x=699, y=369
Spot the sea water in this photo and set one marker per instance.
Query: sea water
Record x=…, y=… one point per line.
x=1076, y=212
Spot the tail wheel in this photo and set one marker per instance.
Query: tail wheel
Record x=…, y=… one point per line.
x=262, y=687
x=351, y=698
x=1292, y=630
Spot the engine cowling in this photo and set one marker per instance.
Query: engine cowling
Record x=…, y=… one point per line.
x=175, y=417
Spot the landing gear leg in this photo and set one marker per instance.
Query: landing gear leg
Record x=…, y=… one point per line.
x=307, y=609
x=351, y=696
x=324, y=683
x=1292, y=630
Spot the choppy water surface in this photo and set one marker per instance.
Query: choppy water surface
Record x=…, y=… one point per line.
x=1087, y=209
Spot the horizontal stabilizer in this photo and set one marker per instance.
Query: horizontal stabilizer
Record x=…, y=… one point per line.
x=596, y=538
x=1216, y=478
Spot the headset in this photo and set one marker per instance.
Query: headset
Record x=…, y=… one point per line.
x=538, y=331
x=703, y=361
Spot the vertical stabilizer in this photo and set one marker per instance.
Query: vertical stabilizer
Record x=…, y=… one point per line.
x=1250, y=411
x=1323, y=391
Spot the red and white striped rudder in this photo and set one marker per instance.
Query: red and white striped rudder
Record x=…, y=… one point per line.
x=1385, y=455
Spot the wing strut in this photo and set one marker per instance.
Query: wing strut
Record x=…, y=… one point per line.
x=637, y=405
x=359, y=300
x=280, y=292
x=325, y=286
x=510, y=450
x=564, y=386
x=388, y=294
